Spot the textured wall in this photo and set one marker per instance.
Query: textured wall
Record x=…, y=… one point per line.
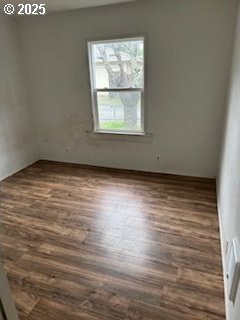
x=189, y=53
x=17, y=139
x=229, y=179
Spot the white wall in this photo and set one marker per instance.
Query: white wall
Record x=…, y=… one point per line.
x=189, y=50
x=229, y=178
x=17, y=141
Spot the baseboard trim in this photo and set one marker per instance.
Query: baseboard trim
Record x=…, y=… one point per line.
x=223, y=260
x=133, y=172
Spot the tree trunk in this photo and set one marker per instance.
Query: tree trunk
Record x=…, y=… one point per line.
x=130, y=102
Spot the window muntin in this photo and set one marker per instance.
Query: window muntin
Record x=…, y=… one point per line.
x=117, y=82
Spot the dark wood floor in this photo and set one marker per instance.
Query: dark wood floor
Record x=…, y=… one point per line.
x=85, y=243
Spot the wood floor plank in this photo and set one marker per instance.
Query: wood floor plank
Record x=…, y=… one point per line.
x=91, y=243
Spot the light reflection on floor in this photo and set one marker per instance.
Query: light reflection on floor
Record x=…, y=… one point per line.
x=113, y=216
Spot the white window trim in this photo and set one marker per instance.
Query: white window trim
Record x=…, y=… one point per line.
x=94, y=91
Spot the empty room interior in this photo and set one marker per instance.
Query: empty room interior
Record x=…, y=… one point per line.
x=120, y=160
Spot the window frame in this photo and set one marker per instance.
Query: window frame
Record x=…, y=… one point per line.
x=95, y=91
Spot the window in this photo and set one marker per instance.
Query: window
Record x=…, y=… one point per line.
x=117, y=84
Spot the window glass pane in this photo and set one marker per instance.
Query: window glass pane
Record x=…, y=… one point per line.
x=119, y=111
x=118, y=64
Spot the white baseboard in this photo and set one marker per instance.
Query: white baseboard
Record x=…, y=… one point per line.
x=224, y=262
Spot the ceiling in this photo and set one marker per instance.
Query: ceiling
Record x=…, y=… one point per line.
x=61, y=5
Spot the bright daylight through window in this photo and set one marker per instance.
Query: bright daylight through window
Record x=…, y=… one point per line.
x=117, y=83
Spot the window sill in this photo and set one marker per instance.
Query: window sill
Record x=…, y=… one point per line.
x=140, y=137
x=121, y=133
